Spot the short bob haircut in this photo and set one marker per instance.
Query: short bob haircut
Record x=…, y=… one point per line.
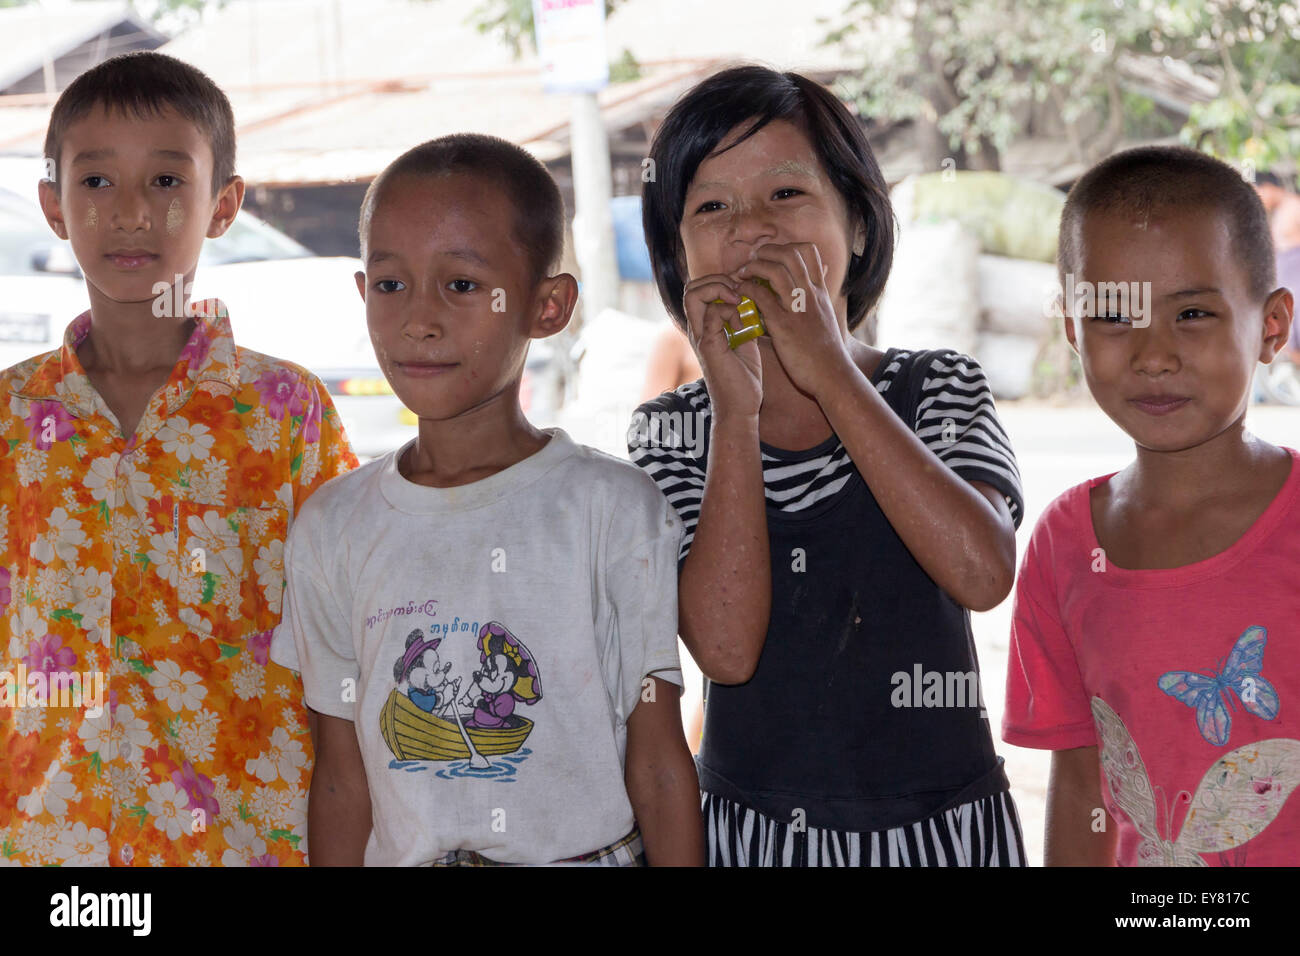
x=144, y=84
x=713, y=108
x=1149, y=179
x=526, y=183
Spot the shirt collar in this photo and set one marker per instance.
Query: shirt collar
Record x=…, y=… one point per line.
x=208, y=356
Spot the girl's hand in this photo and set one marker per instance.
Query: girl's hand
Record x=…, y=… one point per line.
x=798, y=313
x=734, y=376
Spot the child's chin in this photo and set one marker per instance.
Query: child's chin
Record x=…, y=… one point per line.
x=1164, y=440
x=434, y=413
x=136, y=290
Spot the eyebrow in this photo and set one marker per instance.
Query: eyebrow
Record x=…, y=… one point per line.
x=788, y=167
x=94, y=155
x=468, y=255
x=1187, y=293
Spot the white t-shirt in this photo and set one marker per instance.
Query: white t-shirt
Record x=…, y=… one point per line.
x=518, y=614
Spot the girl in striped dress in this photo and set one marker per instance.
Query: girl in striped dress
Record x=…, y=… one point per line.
x=844, y=507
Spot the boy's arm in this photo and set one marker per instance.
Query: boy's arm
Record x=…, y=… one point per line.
x=338, y=803
x=1073, y=801
x=314, y=638
x=661, y=780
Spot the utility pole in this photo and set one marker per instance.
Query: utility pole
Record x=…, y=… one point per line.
x=570, y=38
x=593, y=226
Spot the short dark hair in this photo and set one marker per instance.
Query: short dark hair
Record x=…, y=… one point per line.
x=1148, y=179
x=144, y=83
x=526, y=183
x=708, y=112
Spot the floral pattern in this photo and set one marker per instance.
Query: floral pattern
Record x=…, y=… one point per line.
x=159, y=563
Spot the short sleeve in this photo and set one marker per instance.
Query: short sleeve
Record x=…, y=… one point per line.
x=641, y=595
x=314, y=635
x=1047, y=705
x=668, y=440
x=957, y=420
x=320, y=447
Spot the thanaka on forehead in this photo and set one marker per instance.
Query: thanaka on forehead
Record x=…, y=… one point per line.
x=787, y=167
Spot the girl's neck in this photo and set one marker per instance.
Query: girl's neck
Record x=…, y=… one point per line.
x=1219, y=468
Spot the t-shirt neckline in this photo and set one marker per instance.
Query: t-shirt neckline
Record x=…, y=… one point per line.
x=408, y=496
x=1239, y=550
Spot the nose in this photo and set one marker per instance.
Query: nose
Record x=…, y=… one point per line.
x=131, y=210
x=423, y=314
x=1155, y=349
x=752, y=222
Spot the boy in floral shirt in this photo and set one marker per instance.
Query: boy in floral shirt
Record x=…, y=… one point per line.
x=149, y=472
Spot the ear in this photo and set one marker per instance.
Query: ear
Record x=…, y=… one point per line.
x=360, y=278
x=859, y=244
x=559, y=297
x=52, y=207
x=1069, y=330
x=1279, y=313
x=228, y=201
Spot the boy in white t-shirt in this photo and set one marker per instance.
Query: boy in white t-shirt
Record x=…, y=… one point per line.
x=486, y=619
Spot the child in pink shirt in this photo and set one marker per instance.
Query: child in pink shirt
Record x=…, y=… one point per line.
x=1155, y=643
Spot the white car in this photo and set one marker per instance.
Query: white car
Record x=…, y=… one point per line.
x=283, y=301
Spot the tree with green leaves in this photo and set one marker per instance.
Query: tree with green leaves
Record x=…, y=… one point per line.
x=1252, y=50
x=967, y=71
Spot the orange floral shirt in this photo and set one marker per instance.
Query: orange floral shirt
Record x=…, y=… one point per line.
x=141, y=721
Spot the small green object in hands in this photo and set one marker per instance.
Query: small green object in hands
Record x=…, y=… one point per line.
x=751, y=319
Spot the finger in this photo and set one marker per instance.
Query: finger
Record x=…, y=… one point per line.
x=805, y=287
x=812, y=257
x=715, y=314
x=802, y=261
x=774, y=297
x=807, y=266
x=706, y=325
x=710, y=287
x=703, y=292
x=771, y=295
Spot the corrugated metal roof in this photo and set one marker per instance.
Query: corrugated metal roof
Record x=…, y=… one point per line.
x=29, y=32
x=328, y=91
x=332, y=90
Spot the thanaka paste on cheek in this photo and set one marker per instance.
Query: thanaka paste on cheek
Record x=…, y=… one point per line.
x=92, y=217
x=175, y=217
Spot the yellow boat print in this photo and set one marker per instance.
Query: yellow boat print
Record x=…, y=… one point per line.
x=414, y=734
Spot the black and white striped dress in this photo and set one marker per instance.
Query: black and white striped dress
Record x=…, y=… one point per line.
x=790, y=767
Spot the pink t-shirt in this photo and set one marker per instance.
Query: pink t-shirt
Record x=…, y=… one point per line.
x=1188, y=679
